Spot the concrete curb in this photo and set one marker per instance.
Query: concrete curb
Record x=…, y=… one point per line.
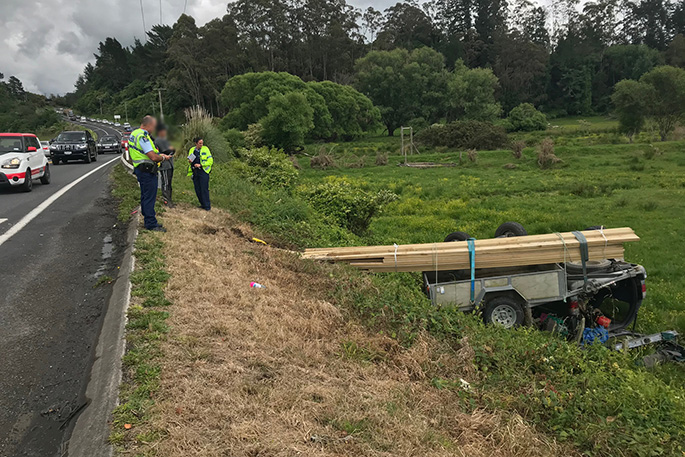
x=91, y=431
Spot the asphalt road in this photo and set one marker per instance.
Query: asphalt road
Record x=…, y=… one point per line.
x=52, y=302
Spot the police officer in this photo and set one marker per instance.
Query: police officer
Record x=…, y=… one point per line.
x=145, y=157
x=199, y=166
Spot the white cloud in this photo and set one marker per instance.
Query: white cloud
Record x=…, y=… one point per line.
x=47, y=43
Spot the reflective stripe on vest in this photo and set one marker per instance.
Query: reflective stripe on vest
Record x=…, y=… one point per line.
x=136, y=151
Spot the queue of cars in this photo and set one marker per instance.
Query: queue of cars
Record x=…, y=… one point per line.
x=25, y=159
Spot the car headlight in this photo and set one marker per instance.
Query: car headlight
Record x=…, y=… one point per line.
x=12, y=163
x=82, y=146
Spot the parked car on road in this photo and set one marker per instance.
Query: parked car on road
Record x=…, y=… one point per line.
x=22, y=160
x=74, y=145
x=108, y=144
x=116, y=124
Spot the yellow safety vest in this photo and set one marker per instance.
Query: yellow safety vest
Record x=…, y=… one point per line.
x=206, y=160
x=136, y=151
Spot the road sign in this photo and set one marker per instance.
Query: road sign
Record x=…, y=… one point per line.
x=117, y=117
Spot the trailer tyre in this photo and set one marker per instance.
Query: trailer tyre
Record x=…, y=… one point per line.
x=457, y=236
x=504, y=311
x=510, y=229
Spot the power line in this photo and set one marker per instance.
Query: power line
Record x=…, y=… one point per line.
x=142, y=14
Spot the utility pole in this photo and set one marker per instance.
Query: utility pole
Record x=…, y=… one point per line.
x=100, y=100
x=126, y=109
x=161, y=110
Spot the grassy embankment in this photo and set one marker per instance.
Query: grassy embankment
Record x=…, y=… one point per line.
x=598, y=402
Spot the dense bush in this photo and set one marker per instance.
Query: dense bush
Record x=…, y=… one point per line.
x=351, y=111
x=265, y=166
x=346, y=202
x=526, y=118
x=235, y=138
x=464, y=135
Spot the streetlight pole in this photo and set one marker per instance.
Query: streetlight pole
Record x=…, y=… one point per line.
x=161, y=110
x=126, y=109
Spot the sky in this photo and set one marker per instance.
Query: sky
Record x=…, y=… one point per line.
x=47, y=43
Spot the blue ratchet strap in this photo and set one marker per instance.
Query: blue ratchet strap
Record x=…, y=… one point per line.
x=583, y=253
x=472, y=259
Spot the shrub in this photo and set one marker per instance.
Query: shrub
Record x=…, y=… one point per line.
x=295, y=162
x=418, y=124
x=473, y=155
x=464, y=135
x=381, y=158
x=546, y=156
x=266, y=166
x=517, y=148
x=345, y=202
x=354, y=161
x=526, y=118
x=235, y=138
x=200, y=124
x=253, y=136
x=323, y=160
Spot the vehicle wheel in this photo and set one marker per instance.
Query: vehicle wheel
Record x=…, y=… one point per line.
x=503, y=311
x=88, y=158
x=45, y=179
x=95, y=157
x=509, y=229
x=55, y=161
x=590, y=266
x=28, y=182
x=457, y=236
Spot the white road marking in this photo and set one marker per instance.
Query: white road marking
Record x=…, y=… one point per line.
x=43, y=206
x=3, y=220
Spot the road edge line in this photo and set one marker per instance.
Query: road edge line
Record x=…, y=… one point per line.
x=35, y=212
x=90, y=435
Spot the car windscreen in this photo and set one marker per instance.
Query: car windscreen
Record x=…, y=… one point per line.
x=71, y=137
x=11, y=144
x=108, y=139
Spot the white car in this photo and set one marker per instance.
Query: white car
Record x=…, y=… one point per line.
x=83, y=119
x=46, y=148
x=116, y=124
x=22, y=160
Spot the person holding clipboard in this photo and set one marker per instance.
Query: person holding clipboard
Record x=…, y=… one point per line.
x=200, y=163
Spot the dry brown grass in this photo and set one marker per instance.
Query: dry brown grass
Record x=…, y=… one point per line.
x=282, y=372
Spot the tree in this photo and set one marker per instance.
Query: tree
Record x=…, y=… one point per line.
x=526, y=118
x=630, y=105
x=472, y=94
x=521, y=68
x=288, y=121
x=352, y=112
x=404, y=85
x=665, y=91
x=406, y=26
x=675, y=54
x=247, y=98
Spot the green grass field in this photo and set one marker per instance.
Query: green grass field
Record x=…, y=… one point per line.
x=640, y=186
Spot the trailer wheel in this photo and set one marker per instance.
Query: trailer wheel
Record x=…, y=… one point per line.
x=504, y=311
x=590, y=266
x=457, y=236
x=510, y=229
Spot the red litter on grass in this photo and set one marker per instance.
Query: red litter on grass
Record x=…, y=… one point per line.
x=256, y=285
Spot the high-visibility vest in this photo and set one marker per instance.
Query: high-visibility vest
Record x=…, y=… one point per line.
x=206, y=160
x=136, y=151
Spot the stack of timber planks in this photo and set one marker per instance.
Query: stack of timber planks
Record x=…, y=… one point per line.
x=489, y=253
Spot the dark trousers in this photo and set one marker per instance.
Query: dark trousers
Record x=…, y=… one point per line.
x=167, y=176
x=201, y=182
x=148, y=195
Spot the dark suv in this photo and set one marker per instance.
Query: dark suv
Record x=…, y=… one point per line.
x=108, y=144
x=76, y=145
